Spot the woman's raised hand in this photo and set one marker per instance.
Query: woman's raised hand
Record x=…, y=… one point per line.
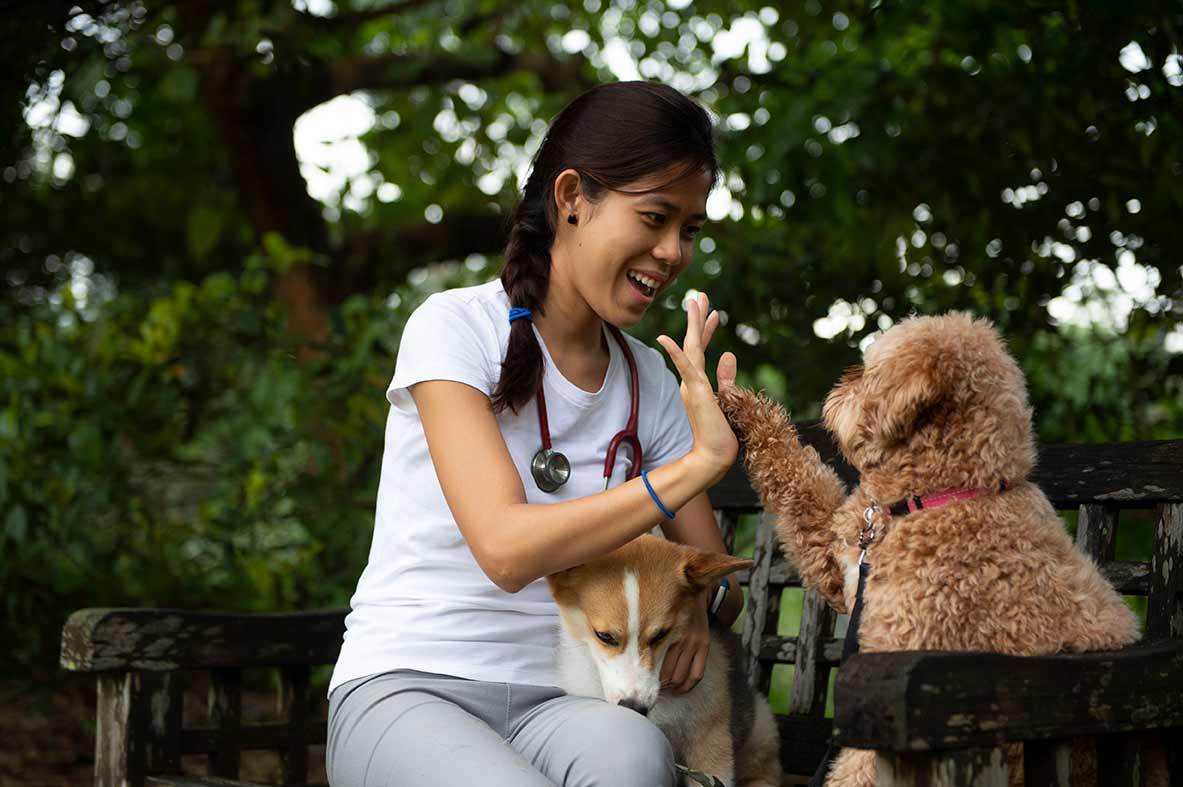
x=713, y=439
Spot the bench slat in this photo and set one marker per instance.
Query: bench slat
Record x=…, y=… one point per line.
x=1164, y=612
x=196, y=781
x=919, y=701
x=97, y=640
x=252, y=737
x=804, y=740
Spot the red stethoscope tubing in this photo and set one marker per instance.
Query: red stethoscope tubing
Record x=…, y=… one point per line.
x=628, y=435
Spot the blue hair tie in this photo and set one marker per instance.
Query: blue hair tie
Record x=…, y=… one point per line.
x=516, y=313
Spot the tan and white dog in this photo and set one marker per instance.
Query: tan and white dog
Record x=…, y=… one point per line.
x=620, y=614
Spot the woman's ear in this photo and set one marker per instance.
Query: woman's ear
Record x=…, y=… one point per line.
x=568, y=195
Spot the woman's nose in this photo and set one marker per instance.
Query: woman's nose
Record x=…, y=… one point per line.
x=669, y=249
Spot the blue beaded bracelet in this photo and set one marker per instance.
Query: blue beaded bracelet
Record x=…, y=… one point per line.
x=645, y=477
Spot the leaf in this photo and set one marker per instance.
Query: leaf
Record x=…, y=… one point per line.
x=204, y=229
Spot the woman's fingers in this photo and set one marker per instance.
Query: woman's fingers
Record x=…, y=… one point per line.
x=695, y=672
x=708, y=329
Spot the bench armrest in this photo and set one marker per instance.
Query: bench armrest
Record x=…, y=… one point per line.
x=160, y=640
x=922, y=701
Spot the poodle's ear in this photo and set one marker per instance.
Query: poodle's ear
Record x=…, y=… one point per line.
x=897, y=389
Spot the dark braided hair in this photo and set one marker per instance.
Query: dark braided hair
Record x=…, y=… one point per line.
x=612, y=135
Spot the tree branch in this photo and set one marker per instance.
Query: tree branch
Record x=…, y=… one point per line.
x=392, y=71
x=389, y=253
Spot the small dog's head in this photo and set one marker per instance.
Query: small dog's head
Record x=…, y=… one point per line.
x=936, y=392
x=628, y=606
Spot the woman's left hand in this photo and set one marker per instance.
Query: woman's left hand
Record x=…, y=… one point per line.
x=686, y=661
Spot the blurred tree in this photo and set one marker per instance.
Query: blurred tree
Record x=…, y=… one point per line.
x=193, y=346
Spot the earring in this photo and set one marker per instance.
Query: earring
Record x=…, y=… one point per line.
x=572, y=220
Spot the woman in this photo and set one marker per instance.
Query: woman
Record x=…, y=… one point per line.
x=446, y=675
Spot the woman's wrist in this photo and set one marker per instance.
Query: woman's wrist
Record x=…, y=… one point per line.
x=706, y=468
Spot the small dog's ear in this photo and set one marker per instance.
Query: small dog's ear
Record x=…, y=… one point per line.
x=896, y=390
x=562, y=579
x=703, y=569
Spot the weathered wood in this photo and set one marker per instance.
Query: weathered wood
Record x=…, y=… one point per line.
x=1096, y=531
x=251, y=737
x=198, y=781
x=1164, y=610
x=94, y=640
x=295, y=710
x=1070, y=474
x=811, y=677
x=783, y=650
x=761, y=604
x=1132, y=760
x=920, y=701
x=225, y=715
x=962, y=768
x=1048, y=763
x=162, y=696
x=804, y=740
x=728, y=523
x=119, y=731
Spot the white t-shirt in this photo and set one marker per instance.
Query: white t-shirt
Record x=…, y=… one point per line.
x=422, y=601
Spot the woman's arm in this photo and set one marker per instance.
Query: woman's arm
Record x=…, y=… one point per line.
x=516, y=542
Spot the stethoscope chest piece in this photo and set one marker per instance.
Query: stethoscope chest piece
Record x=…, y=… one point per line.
x=550, y=469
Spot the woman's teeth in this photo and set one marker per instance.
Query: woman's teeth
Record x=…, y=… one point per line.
x=648, y=285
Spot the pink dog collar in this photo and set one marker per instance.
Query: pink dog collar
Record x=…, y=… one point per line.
x=910, y=505
x=871, y=529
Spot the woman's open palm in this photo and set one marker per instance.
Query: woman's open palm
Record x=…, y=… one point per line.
x=713, y=438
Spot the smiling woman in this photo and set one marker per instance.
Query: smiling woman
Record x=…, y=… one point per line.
x=451, y=639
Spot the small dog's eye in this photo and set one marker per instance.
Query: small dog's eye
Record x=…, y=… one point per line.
x=659, y=636
x=606, y=638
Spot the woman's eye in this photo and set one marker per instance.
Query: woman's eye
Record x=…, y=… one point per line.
x=656, y=218
x=692, y=231
x=606, y=638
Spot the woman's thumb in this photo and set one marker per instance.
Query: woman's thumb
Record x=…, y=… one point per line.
x=725, y=372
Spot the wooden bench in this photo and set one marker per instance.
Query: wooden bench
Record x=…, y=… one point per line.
x=935, y=718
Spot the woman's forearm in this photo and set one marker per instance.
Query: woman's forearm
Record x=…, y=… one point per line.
x=534, y=540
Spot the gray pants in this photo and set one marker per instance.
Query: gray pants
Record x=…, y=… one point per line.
x=412, y=729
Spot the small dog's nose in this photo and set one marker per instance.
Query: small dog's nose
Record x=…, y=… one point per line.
x=632, y=704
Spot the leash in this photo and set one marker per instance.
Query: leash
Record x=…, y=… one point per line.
x=869, y=535
x=699, y=777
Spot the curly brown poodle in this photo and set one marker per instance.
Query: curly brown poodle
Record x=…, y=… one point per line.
x=938, y=411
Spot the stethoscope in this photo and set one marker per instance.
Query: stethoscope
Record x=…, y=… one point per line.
x=551, y=469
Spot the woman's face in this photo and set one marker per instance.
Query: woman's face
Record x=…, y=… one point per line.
x=629, y=248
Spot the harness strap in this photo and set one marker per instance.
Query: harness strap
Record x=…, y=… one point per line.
x=849, y=648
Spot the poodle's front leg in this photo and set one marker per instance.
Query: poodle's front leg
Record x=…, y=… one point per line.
x=852, y=768
x=794, y=484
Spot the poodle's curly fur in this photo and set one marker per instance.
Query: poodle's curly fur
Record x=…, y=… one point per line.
x=939, y=403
